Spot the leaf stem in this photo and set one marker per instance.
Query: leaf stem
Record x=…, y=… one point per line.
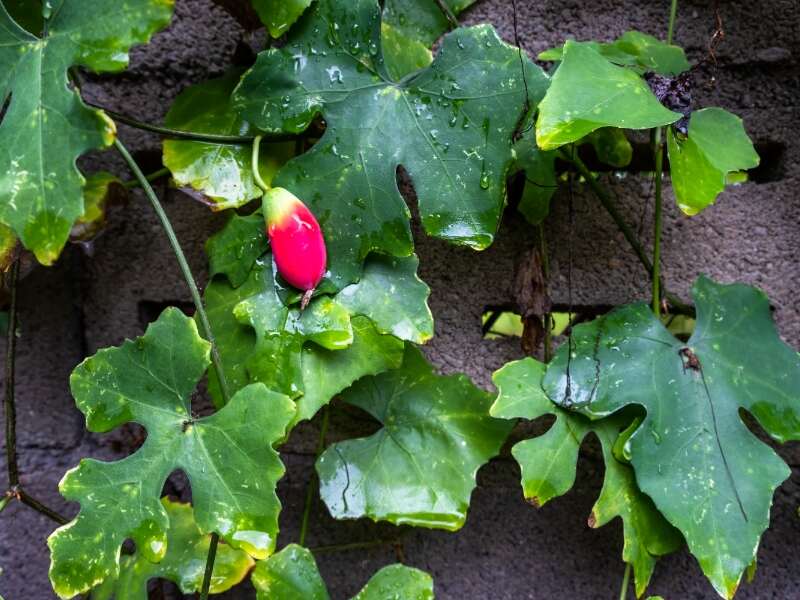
x=626, y=577
x=211, y=138
x=658, y=146
x=351, y=546
x=9, y=401
x=212, y=555
x=679, y=306
x=448, y=13
x=256, y=172
x=134, y=183
x=323, y=430
x=673, y=13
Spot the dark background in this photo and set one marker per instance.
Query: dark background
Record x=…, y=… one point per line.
x=507, y=550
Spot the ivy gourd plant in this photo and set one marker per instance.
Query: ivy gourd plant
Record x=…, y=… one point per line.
x=345, y=94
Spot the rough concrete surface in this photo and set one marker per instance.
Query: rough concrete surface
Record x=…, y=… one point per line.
x=507, y=550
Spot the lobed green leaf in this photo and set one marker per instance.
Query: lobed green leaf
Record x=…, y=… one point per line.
x=228, y=457
x=47, y=126
x=692, y=454
x=449, y=126
x=443, y=419
x=548, y=465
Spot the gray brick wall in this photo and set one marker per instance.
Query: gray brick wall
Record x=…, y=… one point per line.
x=507, y=549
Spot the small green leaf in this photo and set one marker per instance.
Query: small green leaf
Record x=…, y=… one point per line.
x=280, y=15
x=222, y=172
x=394, y=298
x=410, y=27
x=234, y=249
x=450, y=127
x=47, y=126
x=548, y=465
x=652, y=54
x=588, y=92
x=635, y=49
x=611, y=146
x=540, y=176
x=292, y=574
x=693, y=455
x=403, y=55
x=184, y=562
x=436, y=434
x=716, y=145
x=100, y=190
x=397, y=581
x=228, y=456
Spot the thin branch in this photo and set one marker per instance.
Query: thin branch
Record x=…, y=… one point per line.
x=182, y=263
x=448, y=13
x=33, y=503
x=9, y=403
x=676, y=303
x=310, y=491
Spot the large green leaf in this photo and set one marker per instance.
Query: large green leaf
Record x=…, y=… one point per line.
x=184, y=563
x=548, y=467
x=589, y=92
x=410, y=27
x=292, y=574
x=222, y=172
x=716, y=145
x=228, y=456
x=638, y=50
x=47, y=126
x=450, y=126
x=419, y=469
x=707, y=473
x=280, y=15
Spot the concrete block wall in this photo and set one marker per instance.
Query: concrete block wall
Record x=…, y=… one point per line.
x=507, y=550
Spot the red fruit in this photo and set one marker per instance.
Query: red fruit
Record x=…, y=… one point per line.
x=296, y=239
